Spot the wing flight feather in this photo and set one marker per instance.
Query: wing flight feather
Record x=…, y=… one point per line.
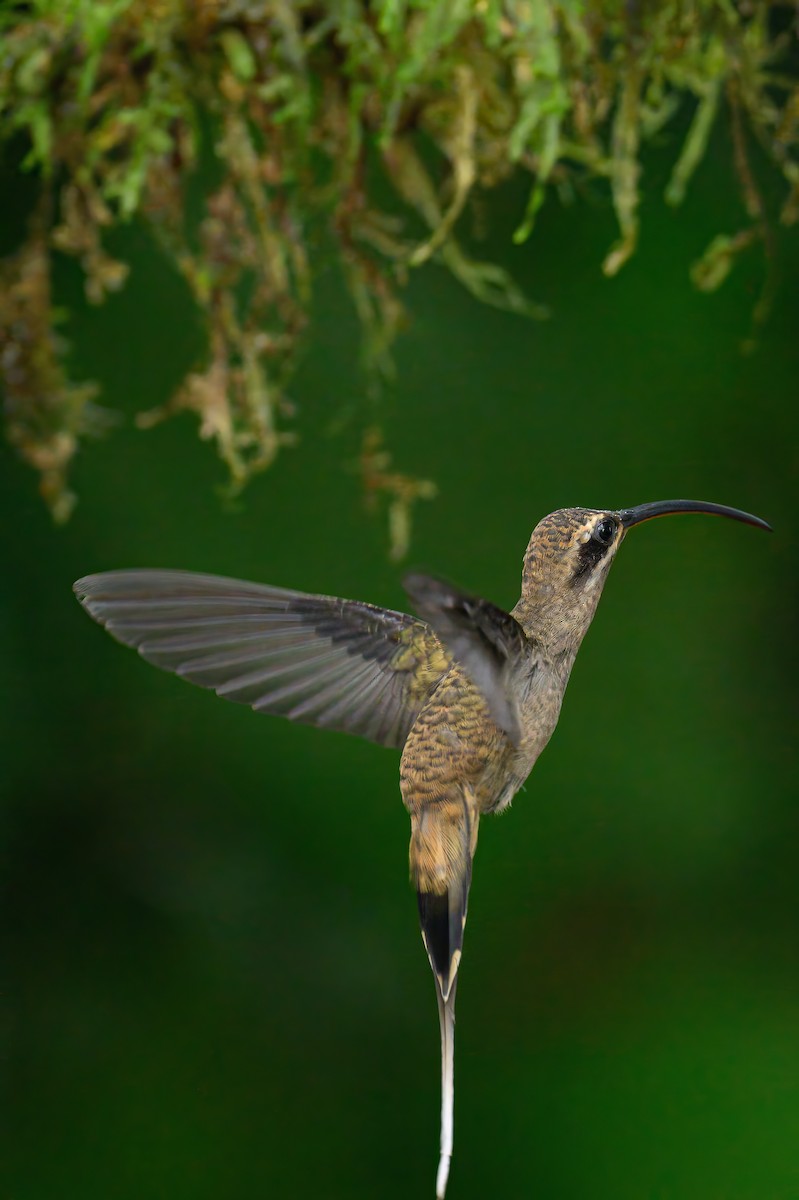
x=339, y=664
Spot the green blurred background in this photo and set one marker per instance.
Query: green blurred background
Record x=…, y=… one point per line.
x=214, y=982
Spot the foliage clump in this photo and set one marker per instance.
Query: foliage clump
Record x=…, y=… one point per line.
x=296, y=101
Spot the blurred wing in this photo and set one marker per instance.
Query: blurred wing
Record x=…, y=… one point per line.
x=488, y=643
x=338, y=664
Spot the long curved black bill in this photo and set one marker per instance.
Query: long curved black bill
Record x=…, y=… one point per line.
x=665, y=508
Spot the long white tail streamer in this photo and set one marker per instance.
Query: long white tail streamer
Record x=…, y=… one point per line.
x=446, y=1014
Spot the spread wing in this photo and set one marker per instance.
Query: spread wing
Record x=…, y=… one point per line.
x=338, y=664
x=488, y=642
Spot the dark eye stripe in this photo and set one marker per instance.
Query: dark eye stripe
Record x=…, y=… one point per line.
x=593, y=551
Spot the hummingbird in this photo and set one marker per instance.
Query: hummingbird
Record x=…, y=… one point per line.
x=468, y=692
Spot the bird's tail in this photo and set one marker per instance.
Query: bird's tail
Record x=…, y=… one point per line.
x=443, y=842
x=446, y=1015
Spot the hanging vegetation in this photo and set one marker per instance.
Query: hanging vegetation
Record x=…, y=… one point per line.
x=310, y=110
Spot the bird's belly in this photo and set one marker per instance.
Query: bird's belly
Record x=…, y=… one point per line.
x=455, y=744
x=443, y=763
x=540, y=724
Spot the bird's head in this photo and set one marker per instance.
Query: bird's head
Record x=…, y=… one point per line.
x=568, y=558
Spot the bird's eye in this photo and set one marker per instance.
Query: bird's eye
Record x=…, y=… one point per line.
x=605, y=531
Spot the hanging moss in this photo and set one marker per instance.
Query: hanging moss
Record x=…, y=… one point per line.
x=116, y=97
